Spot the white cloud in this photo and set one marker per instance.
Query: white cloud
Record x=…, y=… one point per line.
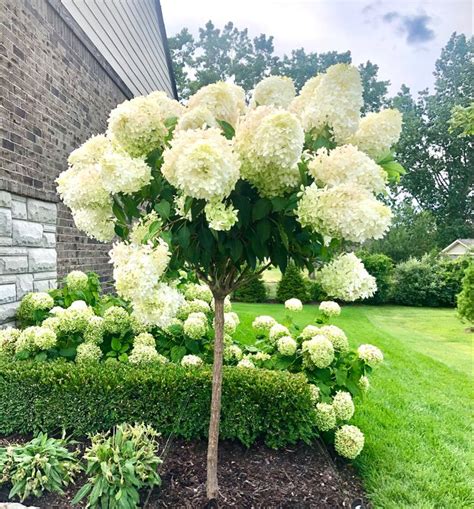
x=405, y=49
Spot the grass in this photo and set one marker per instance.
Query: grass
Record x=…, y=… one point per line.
x=417, y=417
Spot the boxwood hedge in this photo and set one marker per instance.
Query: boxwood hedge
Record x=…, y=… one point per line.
x=272, y=406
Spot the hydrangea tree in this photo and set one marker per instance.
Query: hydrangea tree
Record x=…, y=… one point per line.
x=225, y=190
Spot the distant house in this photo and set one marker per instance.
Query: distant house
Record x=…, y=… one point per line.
x=66, y=64
x=458, y=248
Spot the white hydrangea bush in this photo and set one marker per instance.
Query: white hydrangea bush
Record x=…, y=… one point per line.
x=338, y=376
x=223, y=189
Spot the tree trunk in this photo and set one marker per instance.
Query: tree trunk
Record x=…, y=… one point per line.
x=212, y=449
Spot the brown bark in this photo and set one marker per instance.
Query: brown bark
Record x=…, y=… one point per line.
x=213, y=443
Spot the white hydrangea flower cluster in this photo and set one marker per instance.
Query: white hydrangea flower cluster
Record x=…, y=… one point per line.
x=263, y=323
x=194, y=306
x=370, y=354
x=35, y=338
x=75, y=318
x=276, y=91
x=138, y=268
x=378, y=132
x=245, y=363
x=303, y=100
x=201, y=163
x=337, y=337
x=287, y=346
x=88, y=353
x=335, y=101
x=191, y=361
x=143, y=354
x=77, y=281
x=8, y=339
x=318, y=352
x=140, y=229
x=346, y=211
x=347, y=279
x=116, y=320
x=197, y=118
x=314, y=392
x=138, y=125
x=364, y=383
x=325, y=417
x=221, y=217
x=159, y=308
x=343, y=405
x=196, y=326
x=232, y=353
x=276, y=332
x=198, y=291
x=34, y=301
x=270, y=143
x=329, y=308
x=294, y=304
x=231, y=322
x=309, y=332
x=347, y=164
x=224, y=101
x=349, y=441
x=94, y=331
x=260, y=357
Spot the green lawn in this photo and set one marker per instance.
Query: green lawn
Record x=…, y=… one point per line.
x=418, y=415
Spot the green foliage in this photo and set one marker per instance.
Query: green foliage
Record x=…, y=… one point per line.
x=413, y=234
x=440, y=162
x=221, y=54
x=65, y=296
x=119, y=465
x=381, y=267
x=253, y=291
x=41, y=465
x=462, y=120
x=292, y=284
x=256, y=404
x=465, y=298
x=315, y=291
x=432, y=282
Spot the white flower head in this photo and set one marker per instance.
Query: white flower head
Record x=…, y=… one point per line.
x=347, y=279
x=330, y=308
x=336, y=336
x=370, y=354
x=191, y=361
x=263, y=323
x=325, y=417
x=277, y=331
x=294, y=304
x=286, y=345
x=318, y=351
x=343, y=405
x=219, y=216
x=349, y=441
x=276, y=91
x=202, y=164
x=246, y=363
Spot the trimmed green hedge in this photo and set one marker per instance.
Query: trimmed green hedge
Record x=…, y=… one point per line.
x=256, y=404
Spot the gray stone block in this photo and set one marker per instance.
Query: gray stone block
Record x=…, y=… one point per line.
x=41, y=211
x=8, y=311
x=38, y=276
x=19, y=209
x=27, y=233
x=7, y=293
x=44, y=286
x=49, y=240
x=5, y=222
x=5, y=199
x=42, y=259
x=49, y=228
x=6, y=241
x=24, y=285
x=14, y=264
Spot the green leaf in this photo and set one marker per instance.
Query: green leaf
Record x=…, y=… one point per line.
x=42, y=356
x=229, y=131
x=192, y=345
x=279, y=203
x=81, y=493
x=264, y=229
x=236, y=249
x=123, y=357
x=183, y=236
x=394, y=170
x=119, y=213
x=163, y=208
x=69, y=352
x=177, y=353
x=261, y=209
x=116, y=344
x=283, y=236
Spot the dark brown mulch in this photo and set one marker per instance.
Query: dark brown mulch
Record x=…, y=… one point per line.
x=297, y=477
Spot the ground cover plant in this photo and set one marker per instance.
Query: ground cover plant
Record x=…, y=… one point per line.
x=418, y=437
x=188, y=187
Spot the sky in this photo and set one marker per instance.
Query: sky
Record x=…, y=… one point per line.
x=404, y=37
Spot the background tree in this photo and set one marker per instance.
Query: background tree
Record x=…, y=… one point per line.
x=440, y=162
x=230, y=53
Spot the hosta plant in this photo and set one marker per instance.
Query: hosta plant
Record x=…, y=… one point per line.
x=43, y=464
x=219, y=188
x=119, y=465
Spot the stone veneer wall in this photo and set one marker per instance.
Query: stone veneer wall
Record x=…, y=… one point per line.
x=27, y=250
x=56, y=90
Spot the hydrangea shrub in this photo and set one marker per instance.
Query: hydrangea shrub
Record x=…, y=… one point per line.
x=220, y=188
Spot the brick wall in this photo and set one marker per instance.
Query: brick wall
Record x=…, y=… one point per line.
x=55, y=91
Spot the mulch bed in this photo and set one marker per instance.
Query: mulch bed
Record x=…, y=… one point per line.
x=299, y=476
